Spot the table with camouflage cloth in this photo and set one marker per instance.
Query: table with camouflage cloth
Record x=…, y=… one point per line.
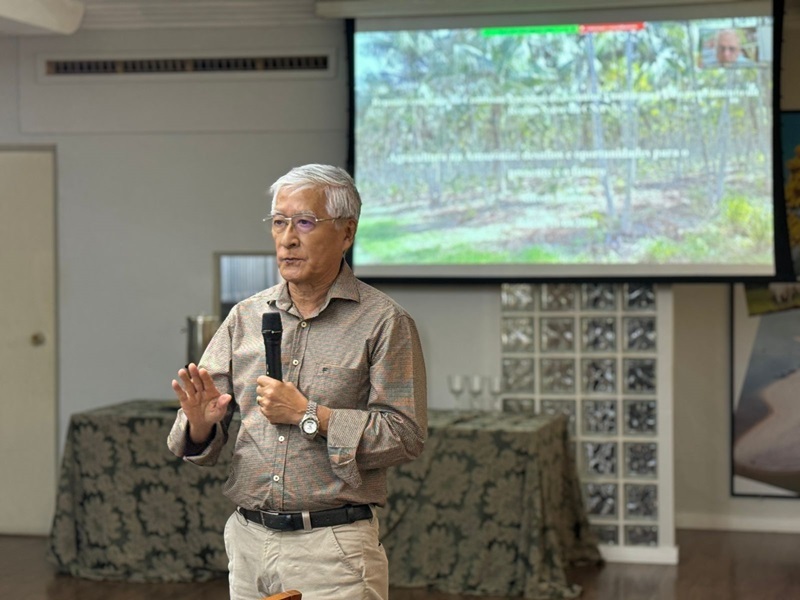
x=492, y=506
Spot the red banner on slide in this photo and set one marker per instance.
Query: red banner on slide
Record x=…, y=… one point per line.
x=603, y=27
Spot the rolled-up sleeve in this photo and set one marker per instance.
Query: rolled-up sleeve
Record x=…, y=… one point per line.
x=177, y=442
x=394, y=428
x=216, y=360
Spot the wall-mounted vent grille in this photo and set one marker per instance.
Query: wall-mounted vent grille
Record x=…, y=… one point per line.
x=240, y=64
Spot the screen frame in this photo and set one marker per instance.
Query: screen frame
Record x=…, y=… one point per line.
x=494, y=273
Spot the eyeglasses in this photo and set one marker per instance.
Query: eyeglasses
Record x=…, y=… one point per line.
x=302, y=223
x=728, y=48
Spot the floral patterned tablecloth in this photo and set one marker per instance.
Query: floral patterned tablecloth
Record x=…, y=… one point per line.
x=128, y=509
x=493, y=506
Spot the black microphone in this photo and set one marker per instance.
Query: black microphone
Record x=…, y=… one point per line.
x=272, y=329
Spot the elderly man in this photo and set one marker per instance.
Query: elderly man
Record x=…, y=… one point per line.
x=729, y=48
x=310, y=459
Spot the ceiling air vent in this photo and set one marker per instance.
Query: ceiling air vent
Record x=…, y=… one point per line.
x=319, y=63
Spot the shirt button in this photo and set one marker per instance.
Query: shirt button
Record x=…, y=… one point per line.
x=303, y=324
x=281, y=438
x=295, y=362
x=276, y=478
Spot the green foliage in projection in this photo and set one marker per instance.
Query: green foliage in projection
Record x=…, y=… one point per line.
x=745, y=218
x=740, y=229
x=401, y=242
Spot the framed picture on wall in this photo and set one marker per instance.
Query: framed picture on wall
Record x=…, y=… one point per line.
x=765, y=399
x=239, y=275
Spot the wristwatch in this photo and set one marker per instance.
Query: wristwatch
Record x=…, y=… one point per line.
x=309, y=424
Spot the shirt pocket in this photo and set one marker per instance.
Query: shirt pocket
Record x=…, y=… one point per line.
x=340, y=387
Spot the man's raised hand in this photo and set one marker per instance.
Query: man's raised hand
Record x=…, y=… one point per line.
x=200, y=400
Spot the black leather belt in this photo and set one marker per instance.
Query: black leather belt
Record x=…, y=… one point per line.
x=307, y=520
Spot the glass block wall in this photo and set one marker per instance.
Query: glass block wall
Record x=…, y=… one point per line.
x=596, y=352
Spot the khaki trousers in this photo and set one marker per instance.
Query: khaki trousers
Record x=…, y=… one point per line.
x=326, y=563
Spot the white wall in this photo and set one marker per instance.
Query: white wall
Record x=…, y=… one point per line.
x=459, y=327
x=702, y=408
x=141, y=213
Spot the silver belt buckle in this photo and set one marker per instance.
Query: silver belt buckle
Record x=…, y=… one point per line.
x=262, y=513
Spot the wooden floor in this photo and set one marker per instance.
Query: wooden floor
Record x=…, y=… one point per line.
x=713, y=565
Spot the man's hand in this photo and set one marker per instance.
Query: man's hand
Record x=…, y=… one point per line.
x=200, y=400
x=280, y=402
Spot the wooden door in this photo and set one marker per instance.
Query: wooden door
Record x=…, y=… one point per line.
x=28, y=404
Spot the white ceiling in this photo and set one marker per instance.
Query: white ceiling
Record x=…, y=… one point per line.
x=31, y=17
x=115, y=14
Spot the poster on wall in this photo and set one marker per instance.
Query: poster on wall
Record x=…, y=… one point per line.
x=765, y=425
x=790, y=154
x=772, y=297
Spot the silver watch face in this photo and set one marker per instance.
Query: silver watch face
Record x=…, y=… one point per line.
x=309, y=426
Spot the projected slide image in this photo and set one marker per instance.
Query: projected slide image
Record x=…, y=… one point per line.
x=605, y=144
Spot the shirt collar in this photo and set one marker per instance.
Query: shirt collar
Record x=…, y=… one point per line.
x=345, y=287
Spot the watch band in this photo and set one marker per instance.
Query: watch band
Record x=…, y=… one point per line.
x=309, y=417
x=311, y=409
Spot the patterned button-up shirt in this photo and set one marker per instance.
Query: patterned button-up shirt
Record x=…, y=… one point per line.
x=361, y=357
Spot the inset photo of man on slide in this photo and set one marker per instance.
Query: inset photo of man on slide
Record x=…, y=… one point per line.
x=728, y=47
